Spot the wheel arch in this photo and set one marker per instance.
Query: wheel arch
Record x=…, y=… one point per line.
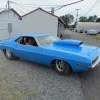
x=4, y=50
x=53, y=61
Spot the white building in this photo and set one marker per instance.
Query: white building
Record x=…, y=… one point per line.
x=87, y=25
x=10, y=24
x=40, y=20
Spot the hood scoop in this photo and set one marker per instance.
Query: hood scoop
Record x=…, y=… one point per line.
x=68, y=42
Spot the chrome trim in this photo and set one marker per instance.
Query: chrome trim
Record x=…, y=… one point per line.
x=96, y=62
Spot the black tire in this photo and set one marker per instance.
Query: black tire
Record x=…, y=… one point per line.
x=9, y=56
x=65, y=68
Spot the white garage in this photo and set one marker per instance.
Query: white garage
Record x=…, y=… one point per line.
x=42, y=21
x=10, y=24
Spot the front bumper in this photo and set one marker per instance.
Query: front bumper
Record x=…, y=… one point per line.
x=95, y=63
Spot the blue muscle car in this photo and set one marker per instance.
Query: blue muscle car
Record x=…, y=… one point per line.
x=63, y=55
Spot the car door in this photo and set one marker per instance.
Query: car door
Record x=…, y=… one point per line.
x=28, y=52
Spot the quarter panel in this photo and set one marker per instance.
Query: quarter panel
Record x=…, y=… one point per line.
x=72, y=58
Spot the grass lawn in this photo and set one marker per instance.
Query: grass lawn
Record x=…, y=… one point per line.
x=97, y=37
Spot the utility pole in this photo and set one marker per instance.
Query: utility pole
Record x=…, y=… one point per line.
x=8, y=7
x=77, y=19
x=77, y=14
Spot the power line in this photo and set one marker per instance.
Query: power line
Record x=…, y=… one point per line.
x=35, y=4
x=68, y=5
x=86, y=7
x=18, y=8
x=55, y=6
x=97, y=2
x=21, y=6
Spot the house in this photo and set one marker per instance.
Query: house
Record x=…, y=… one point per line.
x=40, y=20
x=10, y=24
x=84, y=26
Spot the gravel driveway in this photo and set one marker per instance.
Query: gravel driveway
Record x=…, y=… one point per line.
x=22, y=80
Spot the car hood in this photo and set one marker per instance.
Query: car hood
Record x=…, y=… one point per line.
x=74, y=46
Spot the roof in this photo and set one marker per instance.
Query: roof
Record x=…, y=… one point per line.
x=88, y=23
x=45, y=12
x=4, y=10
x=33, y=34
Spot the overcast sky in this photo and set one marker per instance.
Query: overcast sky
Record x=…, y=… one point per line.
x=84, y=6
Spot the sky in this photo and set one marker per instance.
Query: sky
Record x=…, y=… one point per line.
x=84, y=6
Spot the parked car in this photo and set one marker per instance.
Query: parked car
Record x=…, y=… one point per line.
x=63, y=55
x=81, y=31
x=91, y=31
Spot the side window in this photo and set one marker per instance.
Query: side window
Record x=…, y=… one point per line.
x=34, y=42
x=27, y=40
x=18, y=40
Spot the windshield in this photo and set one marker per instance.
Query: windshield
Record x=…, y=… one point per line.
x=47, y=39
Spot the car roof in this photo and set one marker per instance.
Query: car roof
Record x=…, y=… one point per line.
x=34, y=34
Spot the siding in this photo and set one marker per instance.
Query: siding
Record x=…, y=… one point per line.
x=88, y=25
x=11, y=16
x=40, y=21
x=16, y=25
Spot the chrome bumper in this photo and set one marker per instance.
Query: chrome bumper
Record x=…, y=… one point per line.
x=96, y=62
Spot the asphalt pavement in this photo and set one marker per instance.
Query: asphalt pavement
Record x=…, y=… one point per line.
x=90, y=81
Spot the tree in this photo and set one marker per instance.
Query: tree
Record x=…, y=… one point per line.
x=95, y=18
x=68, y=19
x=98, y=20
x=92, y=18
x=83, y=19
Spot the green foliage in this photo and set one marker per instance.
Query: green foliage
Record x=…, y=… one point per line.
x=72, y=26
x=98, y=20
x=83, y=19
x=68, y=19
x=90, y=19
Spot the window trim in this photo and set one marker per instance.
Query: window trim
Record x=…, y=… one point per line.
x=18, y=38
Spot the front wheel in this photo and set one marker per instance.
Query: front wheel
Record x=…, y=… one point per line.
x=62, y=67
x=8, y=54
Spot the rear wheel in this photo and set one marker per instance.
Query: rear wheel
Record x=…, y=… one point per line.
x=62, y=67
x=8, y=54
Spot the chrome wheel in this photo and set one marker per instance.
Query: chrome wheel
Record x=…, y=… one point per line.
x=60, y=65
x=8, y=53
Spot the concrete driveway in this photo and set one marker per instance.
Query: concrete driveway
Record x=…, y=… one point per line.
x=90, y=80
